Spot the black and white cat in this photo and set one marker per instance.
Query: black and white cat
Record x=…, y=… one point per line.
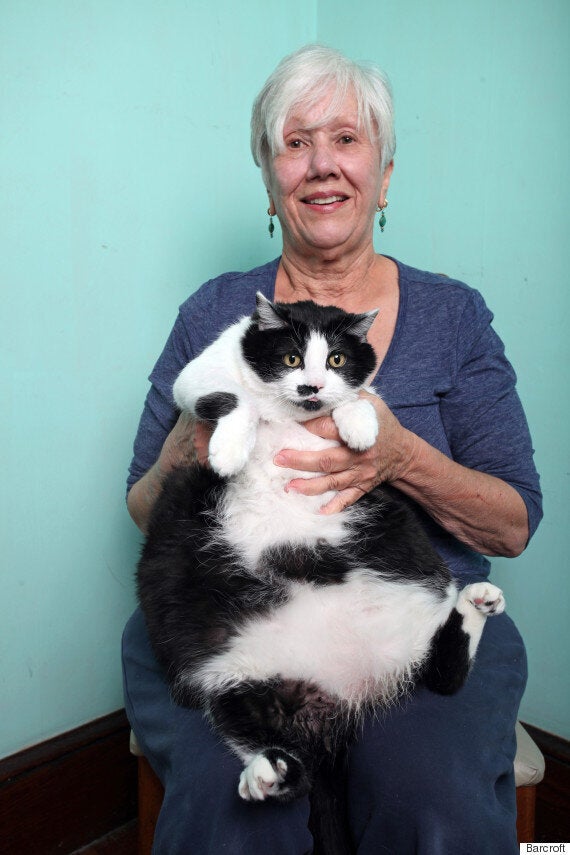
x=283, y=624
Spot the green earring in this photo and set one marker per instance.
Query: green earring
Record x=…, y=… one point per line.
x=271, y=226
x=382, y=220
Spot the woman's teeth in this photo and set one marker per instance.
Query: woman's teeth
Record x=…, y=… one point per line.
x=328, y=200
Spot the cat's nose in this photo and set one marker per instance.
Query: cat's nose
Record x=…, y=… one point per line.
x=308, y=390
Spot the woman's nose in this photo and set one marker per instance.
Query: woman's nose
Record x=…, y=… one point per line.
x=323, y=162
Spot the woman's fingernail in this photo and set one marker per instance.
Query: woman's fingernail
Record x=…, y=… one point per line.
x=279, y=460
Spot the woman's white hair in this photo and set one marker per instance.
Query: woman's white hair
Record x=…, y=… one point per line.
x=304, y=78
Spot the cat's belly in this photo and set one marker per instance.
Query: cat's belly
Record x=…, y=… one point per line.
x=259, y=512
x=357, y=641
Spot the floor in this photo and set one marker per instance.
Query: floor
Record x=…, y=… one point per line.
x=122, y=841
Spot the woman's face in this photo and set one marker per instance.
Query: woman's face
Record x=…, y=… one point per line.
x=326, y=184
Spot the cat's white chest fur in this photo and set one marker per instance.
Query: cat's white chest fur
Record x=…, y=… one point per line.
x=258, y=512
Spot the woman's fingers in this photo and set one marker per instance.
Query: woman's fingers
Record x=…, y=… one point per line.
x=357, y=472
x=202, y=436
x=348, y=473
x=187, y=443
x=327, y=460
x=342, y=500
x=314, y=486
x=323, y=426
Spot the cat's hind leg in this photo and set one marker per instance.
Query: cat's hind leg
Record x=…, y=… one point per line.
x=279, y=729
x=273, y=773
x=475, y=603
x=455, y=643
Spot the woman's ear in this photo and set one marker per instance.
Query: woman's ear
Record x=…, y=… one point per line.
x=385, y=184
x=271, y=210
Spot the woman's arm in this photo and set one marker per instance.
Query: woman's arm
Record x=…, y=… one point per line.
x=186, y=443
x=481, y=510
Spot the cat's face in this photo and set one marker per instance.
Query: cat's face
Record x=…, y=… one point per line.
x=311, y=358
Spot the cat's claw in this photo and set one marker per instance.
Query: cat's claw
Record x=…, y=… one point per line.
x=486, y=598
x=260, y=779
x=357, y=424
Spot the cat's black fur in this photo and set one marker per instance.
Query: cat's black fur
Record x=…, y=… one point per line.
x=197, y=593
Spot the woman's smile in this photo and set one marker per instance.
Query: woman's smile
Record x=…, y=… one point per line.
x=322, y=200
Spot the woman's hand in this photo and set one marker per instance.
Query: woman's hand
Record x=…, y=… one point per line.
x=481, y=510
x=187, y=443
x=350, y=473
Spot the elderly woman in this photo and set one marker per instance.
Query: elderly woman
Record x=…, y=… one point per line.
x=433, y=775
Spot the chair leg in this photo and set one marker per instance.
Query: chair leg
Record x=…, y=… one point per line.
x=526, y=807
x=151, y=794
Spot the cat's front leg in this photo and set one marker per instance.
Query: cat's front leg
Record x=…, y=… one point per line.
x=213, y=396
x=233, y=439
x=357, y=424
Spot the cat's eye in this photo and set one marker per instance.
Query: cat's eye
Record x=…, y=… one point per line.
x=336, y=360
x=292, y=360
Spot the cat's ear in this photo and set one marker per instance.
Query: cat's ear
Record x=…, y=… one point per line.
x=267, y=315
x=362, y=323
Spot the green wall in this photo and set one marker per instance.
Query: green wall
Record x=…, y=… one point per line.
x=126, y=181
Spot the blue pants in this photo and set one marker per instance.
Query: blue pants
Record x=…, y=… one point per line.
x=433, y=775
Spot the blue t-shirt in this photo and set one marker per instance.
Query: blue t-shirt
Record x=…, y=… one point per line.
x=445, y=377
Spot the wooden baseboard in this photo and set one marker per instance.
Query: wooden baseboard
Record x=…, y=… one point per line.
x=68, y=791
x=553, y=793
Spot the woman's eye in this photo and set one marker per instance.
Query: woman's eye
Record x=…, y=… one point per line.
x=346, y=139
x=292, y=360
x=336, y=360
x=294, y=144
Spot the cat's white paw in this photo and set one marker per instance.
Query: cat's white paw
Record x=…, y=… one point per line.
x=357, y=424
x=232, y=442
x=261, y=779
x=486, y=598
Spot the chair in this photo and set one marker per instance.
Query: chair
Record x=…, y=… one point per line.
x=529, y=771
